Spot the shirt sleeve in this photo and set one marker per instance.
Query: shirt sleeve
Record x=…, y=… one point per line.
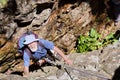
x=47, y=44
x=26, y=59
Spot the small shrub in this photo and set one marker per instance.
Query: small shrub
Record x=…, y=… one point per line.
x=92, y=41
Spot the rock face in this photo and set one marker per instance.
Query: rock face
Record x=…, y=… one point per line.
x=61, y=22
x=11, y=77
x=102, y=64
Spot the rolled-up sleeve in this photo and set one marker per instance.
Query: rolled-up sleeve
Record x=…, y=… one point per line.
x=26, y=59
x=47, y=44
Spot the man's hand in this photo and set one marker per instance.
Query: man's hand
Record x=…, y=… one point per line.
x=66, y=60
x=26, y=71
x=69, y=62
x=24, y=75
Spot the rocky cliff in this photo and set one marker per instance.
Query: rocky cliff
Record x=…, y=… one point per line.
x=102, y=64
x=61, y=22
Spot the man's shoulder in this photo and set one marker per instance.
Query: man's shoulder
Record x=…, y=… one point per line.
x=41, y=40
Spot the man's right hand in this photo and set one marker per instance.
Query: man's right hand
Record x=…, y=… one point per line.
x=26, y=71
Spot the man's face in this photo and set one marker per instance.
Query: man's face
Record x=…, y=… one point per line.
x=33, y=46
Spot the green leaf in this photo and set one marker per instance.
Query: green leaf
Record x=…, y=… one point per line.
x=93, y=34
x=111, y=35
x=115, y=41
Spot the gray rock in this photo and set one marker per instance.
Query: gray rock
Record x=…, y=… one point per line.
x=40, y=18
x=13, y=77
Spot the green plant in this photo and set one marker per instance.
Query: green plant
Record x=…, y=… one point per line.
x=108, y=19
x=92, y=41
x=3, y=3
x=109, y=39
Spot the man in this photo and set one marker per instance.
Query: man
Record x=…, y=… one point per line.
x=36, y=48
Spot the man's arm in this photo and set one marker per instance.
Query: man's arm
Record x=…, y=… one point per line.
x=26, y=71
x=67, y=61
x=26, y=59
x=50, y=45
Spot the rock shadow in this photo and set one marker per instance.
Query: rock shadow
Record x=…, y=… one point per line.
x=116, y=75
x=110, y=11
x=41, y=7
x=17, y=73
x=117, y=34
x=11, y=7
x=35, y=67
x=95, y=5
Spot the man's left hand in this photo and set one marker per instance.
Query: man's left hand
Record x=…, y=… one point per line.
x=69, y=62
